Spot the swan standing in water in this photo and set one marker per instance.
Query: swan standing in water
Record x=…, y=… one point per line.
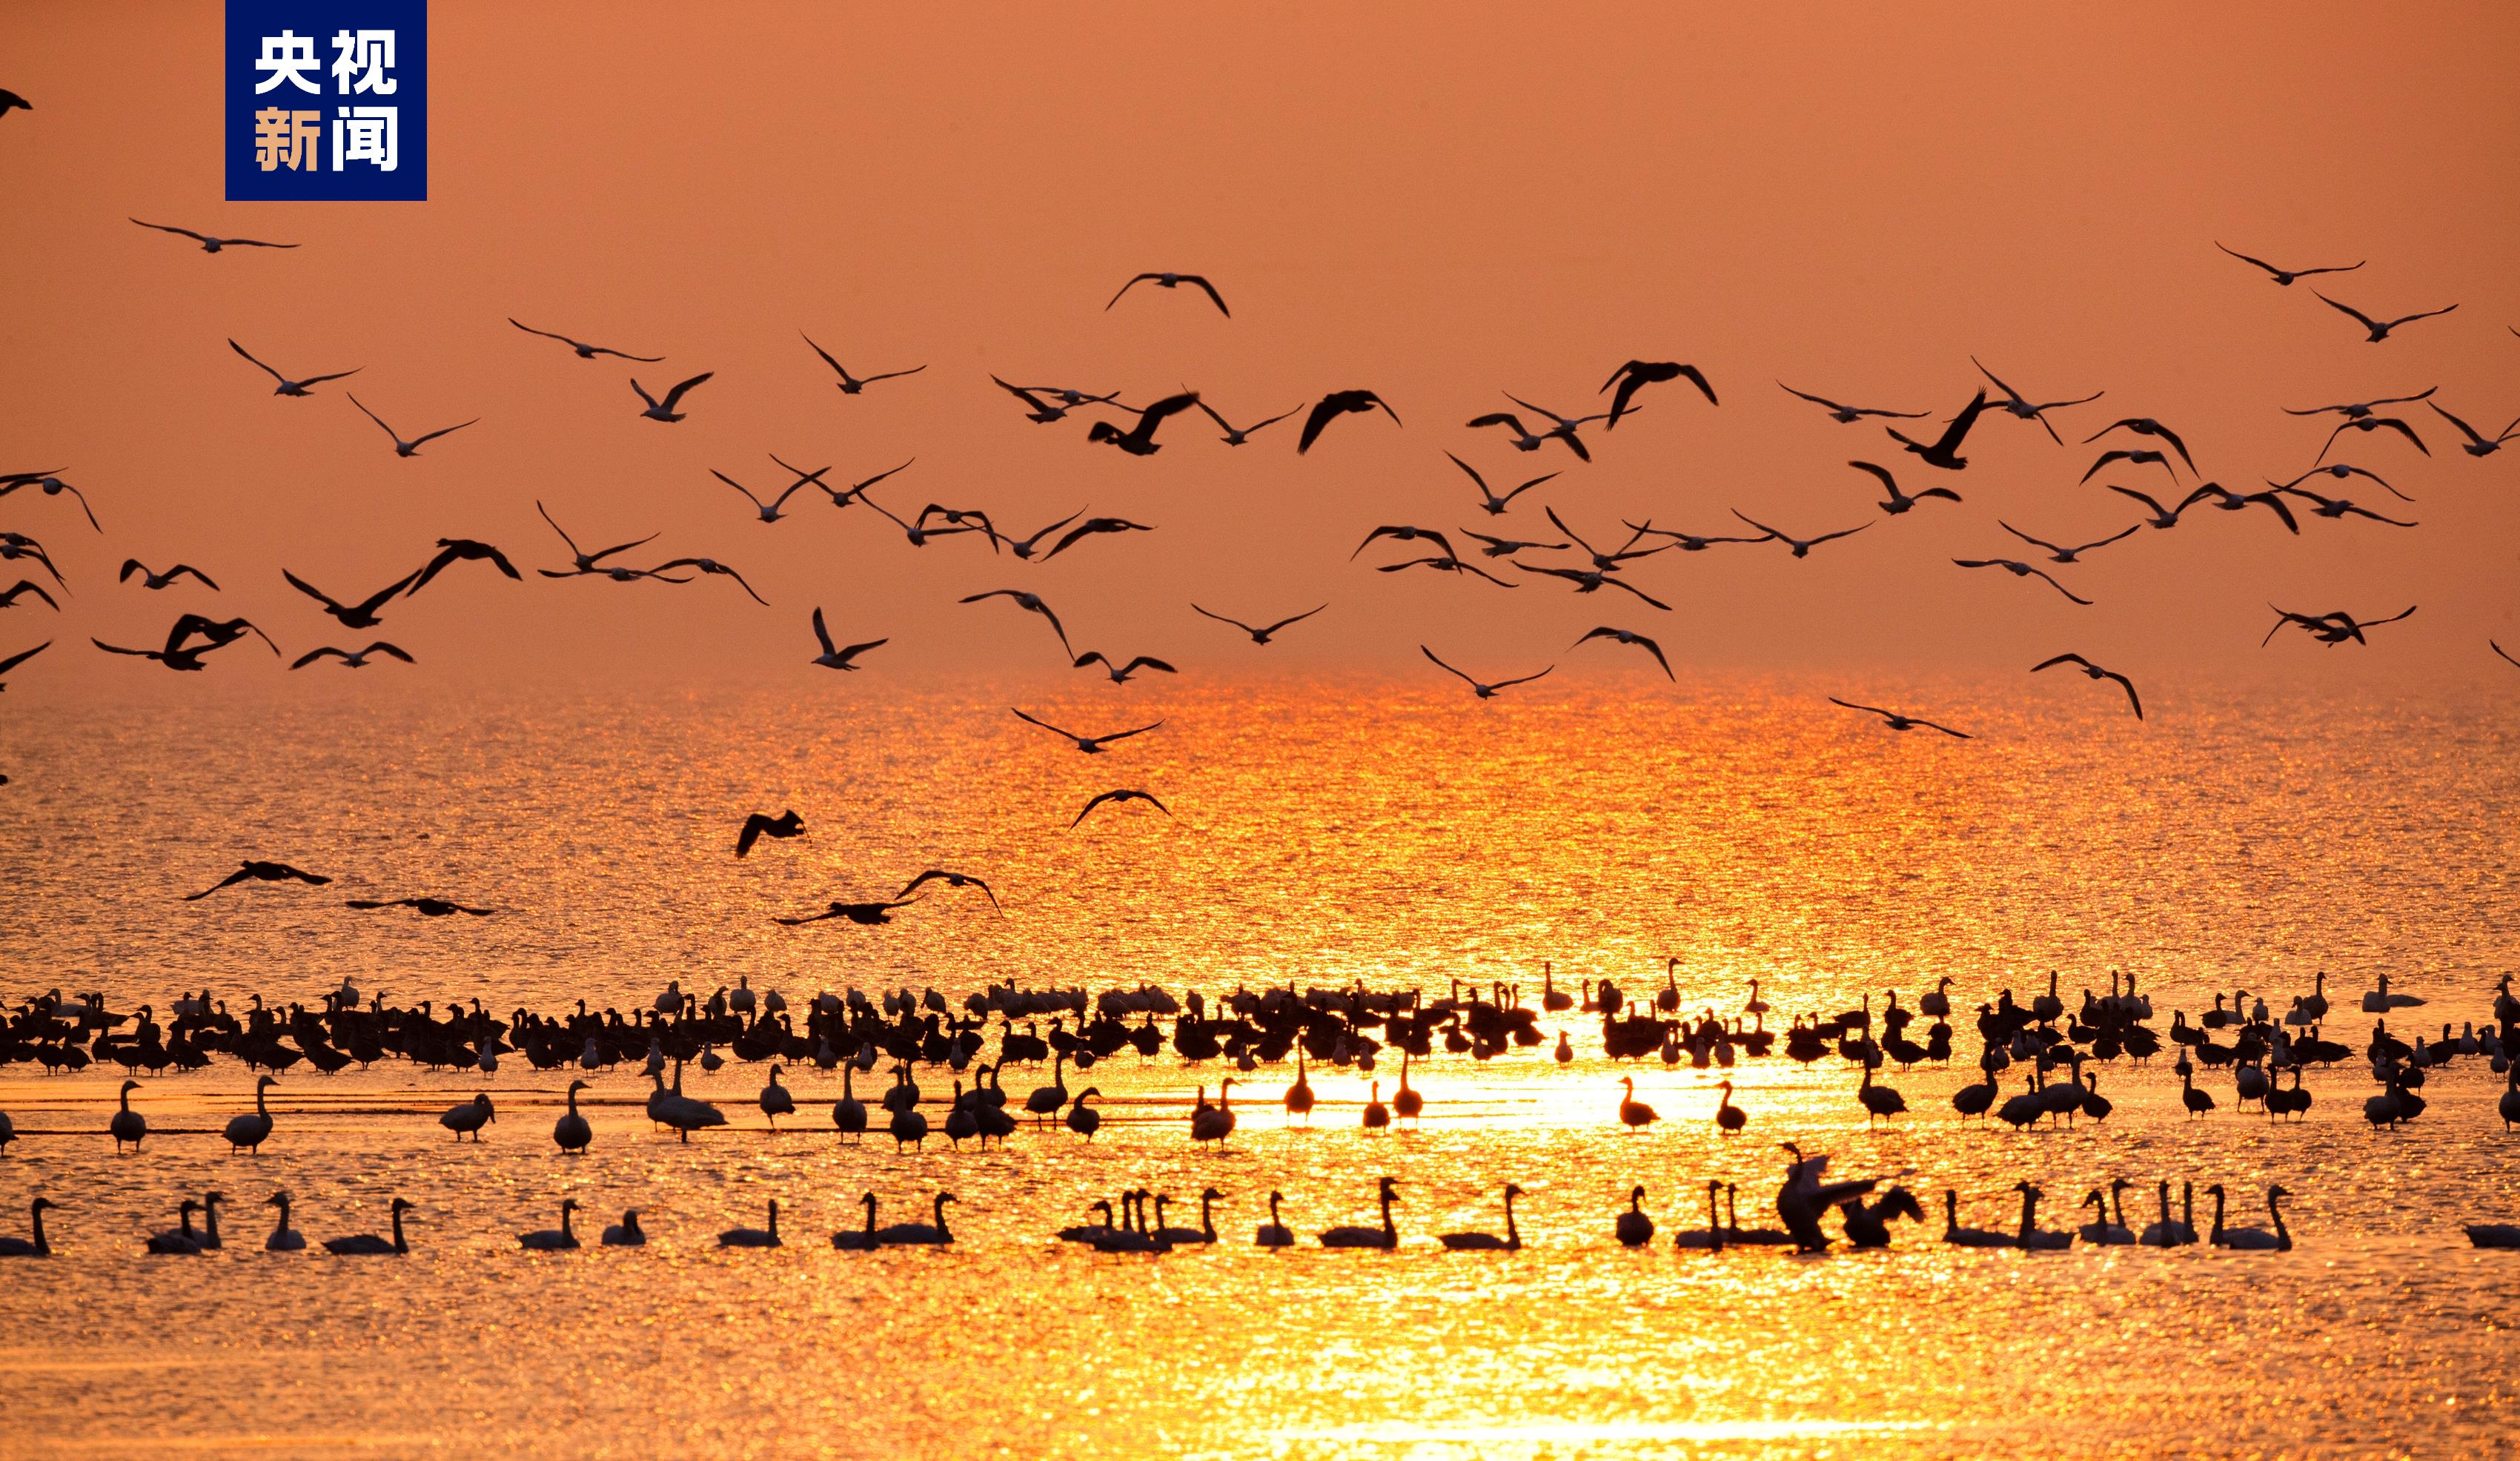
x=2256, y=1240
x=553, y=1240
x=753, y=1237
x=1299, y=1096
x=1275, y=1234
x=1728, y=1118
x=1635, y=1112
x=849, y=1114
x=1376, y=1115
x=626, y=1233
x=1386, y=1236
x=1511, y=1242
x=1961, y=1237
x=369, y=1244
x=1083, y=1120
x=571, y=1131
x=247, y=1133
x=283, y=1238
x=776, y=1101
x=36, y=1246
x=906, y=1234
x=859, y=1240
x=471, y=1116
x=127, y=1125
x=1635, y=1228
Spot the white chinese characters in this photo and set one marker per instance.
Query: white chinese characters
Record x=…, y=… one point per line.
x=289, y=57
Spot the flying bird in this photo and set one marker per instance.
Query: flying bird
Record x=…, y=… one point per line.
x=2338, y=507
x=851, y=385
x=1089, y=528
x=354, y=658
x=833, y=656
x=1845, y=415
x=24, y=587
x=2341, y=470
x=773, y=509
x=2028, y=410
x=154, y=580
x=2505, y=654
x=585, y=562
x=865, y=914
x=179, y=654
x=1899, y=502
x=2477, y=445
x=50, y=485
x=1336, y=404
x=1140, y=439
x=2333, y=628
x=2146, y=425
x=2354, y=410
x=953, y=880
x=2019, y=570
x=20, y=657
x=10, y=99
x=584, y=350
x=1484, y=691
x=1494, y=505
x=854, y=491
x=1263, y=634
x=779, y=829
x=1090, y=744
x=2162, y=517
x=2287, y=276
x=1944, y=450
x=1637, y=374
x=1024, y=547
x=425, y=907
x=209, y=245
x=1497, y=547
x=1802, y=546
x=17, y=545
x=2137, y=456
x=2368, y=424
x=1237, y=436
x=452, y=551
x=1447, y=564
x=918, y=532
x=1171, y=280
x=1692, y=542
x=2058, y=554
x=664, y=410
x=710, y=565
x=288, y=387
x=1899, y=722
x=252, y=871
x=1029, y=602
x=2379, y=329
x=359, y=616
x=1120, y=673
x=1593, y=581
x=1630, y=636
x=1564, y=430
x=1116, y=797
x=1046, y=411
x=2232, y=502
x=1405, y=534
x=411, y=447
x=2093, y=671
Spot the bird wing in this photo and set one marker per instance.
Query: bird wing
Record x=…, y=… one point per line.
x=2035, y=542
x=1202, y=281
x=265, y=369
x=1132, y=284
x=1840, y=534
x=379, y=420
x=1869, y=709
x=2060, y=588
x=230, y=881
x=1520, y=679
x=2281, y=511
x=2505, y=654
x=821, y=634
x=2464, y=428
x=676, y=395
x=2126, y=685
x=1281, y=623
x=1236, y=623
x=643, y=392
x=2062, y=659
x=1045, y=725
x=381, y=646
x=890, y=375
x=751, y=833
x=21, y=657
x=311, y=655
x=378, y=600
x=1638, y=592
x=1147, y=662
x=444, y=430
x=1817, y=400
x=2407, y=319
x=311, y=590
x=1430, y=654
x=1887, y=481
x=2368, y=322
x=826, y=354
x=170, y=228
x=2245, y=258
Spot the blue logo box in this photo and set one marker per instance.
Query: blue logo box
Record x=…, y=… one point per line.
x=327, y=99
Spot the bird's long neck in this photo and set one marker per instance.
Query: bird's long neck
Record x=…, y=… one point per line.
x=1206, y=1216
x=210, y=1221
x=2275, y=1213
x=282, y=1225
x=126, y=1098
x=2029, y=1211
x=567, y=1214
x=398, y=1244
x=1951, y=1209
x=1390, y=1229
x=1513, y=1237
x=2218, y=1213
x=1714, y=1230
x=41, y=1246
x=940, y=1214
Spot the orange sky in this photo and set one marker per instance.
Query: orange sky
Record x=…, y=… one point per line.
x=1853, y=198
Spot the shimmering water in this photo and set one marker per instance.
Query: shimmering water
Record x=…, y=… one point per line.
x=1322, y=834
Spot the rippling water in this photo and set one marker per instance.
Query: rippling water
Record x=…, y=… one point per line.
x=1323, y=834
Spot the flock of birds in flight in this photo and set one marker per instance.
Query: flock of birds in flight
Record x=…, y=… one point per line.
x=1588, y=566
